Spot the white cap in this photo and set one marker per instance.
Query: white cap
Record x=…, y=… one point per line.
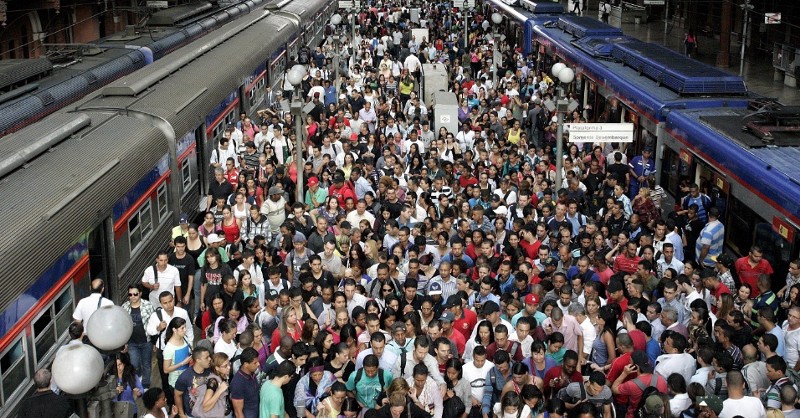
x=213, y=239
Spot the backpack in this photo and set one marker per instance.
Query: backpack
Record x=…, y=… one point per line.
x=146, y=291
x=541, y=120
x=651, y=389
x=217, y=410
x=155, y=338
x=360, y=374
x=495, y=392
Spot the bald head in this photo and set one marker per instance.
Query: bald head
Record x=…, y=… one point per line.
x=749, y=354
x=97, y=286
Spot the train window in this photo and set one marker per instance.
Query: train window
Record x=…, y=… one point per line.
x=13, y=369
x=741, y=219
x=44, y=335
x=140, y=225
x=163, y=206
x=186, y=175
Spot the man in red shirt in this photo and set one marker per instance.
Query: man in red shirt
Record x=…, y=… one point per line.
x=465, y=319
x=627, y=262
x=501, y=342
x=448, y=332
x=634, y=388
x=716, y=287
x=559, y=377
x=625, y=347
x=341, y=189
x=750, y=267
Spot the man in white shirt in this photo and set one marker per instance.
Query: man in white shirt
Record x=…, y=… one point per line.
x=160, y=277
x=386, y=358
x=160, y=319
x=91, y=303
x=360, y=214
x=475, y=373
x=737, y=404
x=675, y=359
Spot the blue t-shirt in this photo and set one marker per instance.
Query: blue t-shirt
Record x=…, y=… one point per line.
x=245, y=387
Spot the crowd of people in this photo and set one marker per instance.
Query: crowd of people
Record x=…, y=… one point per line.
x=437, y=274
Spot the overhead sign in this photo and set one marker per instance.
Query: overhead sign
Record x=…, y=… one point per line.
x=653, y=2
x=158, y=4
x=600, y=132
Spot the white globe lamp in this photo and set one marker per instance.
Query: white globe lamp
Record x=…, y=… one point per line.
x=566, y=75
x=109, y=328
x=336, y=19
x=77, y=369
x=557, y=67
x=497, y=18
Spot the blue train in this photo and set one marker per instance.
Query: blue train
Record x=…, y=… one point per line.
x=700, y=119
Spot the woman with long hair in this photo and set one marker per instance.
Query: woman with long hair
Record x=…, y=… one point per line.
x=333, y=405
x=520, y=376
x=340, y=363
x=216, y=402
x=290, y=325
x=312, y=388
x=483, y=337
x=511, y=405
x=194, y=242
x=323, y=343
x=177, y=352
x=310, y=331
x=128, y=383
x=208, y=227
x=604, y=348
x=227, y=335
x=234, y=312
x=457, y=386
x=425, y=392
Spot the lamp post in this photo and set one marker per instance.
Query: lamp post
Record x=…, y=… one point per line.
x=497, y=19
x=79, y=368
x=565, y=75
x=295, y=76
x=466, y=30
x=335, y=21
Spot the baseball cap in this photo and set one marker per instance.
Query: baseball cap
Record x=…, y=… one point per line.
x=532, y=299
x=653, y=405
x=452, y=300
x=435, y=289
x=711, y=401
x=550, y=262
x=275, y=190
x=399, y=326
x=213, y=239
x=447, y=316
x=298, y=238
x=501, y=211
x=313, y=181
x=496, y=198
x=184, y=218
x=490, y=307
x=271, y=295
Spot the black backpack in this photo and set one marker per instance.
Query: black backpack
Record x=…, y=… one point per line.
x=651, y=389
x=541, y=120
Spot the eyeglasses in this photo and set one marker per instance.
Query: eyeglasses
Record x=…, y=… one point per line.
x=133, y=294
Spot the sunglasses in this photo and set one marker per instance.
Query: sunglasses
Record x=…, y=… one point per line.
x=133, y=294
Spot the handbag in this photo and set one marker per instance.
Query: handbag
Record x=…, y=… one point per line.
x=123, y=409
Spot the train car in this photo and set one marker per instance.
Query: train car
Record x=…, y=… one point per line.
x=748, y=162
x=99, y=195
x=32, y=89
x=519, y=22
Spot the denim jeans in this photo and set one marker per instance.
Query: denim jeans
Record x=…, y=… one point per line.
x=141, y=357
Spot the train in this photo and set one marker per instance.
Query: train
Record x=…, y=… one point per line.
x=705, y=125
x=33, y=89
x=97, y=193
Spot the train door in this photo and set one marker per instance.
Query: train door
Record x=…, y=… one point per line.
x=102, y=264
x=780, y=244
x=676, y=167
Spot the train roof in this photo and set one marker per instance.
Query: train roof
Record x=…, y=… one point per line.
x=723, y=135
x=641, y=86
x=530, y=11
x=171, y=89
x=86, y=162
